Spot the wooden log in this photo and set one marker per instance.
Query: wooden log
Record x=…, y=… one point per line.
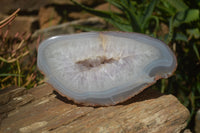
x=42, y=110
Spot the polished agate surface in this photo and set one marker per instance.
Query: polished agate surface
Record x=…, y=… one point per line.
x=104, y=68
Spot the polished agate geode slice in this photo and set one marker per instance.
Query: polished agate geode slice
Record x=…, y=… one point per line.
x=104, y=68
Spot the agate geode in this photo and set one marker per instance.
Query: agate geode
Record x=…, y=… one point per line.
x=104, y=68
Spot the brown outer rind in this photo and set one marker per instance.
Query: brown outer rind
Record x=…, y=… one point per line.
x=134, y=94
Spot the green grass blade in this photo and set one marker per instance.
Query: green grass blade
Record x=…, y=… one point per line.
x=123, y=27
x=112, y=18
x=171, y=30
x=19, y=72
x=156, y=19
x=9, y=74
x=130, y=12
x=148, y=12
x=196, y=51
x=165, y=10
x=115, y=3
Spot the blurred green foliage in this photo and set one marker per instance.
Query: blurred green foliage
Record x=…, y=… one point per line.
x=183, y=36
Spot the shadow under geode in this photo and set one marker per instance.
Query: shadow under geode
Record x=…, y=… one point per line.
x=147, y=94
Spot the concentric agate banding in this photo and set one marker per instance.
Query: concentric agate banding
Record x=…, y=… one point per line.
x=104, y=68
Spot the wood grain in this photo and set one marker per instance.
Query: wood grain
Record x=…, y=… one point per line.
x=41, y=109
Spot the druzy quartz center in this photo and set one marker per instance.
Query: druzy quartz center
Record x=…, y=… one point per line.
x=104, y=68
x=94, y=62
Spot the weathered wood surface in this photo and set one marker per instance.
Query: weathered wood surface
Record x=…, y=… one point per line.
x=42, y=110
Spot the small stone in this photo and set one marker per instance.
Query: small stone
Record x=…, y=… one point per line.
x=91, y=2
x=197, y=122
x=68, y=28
x=48, y=17
x=108, y=7
x=79, y=15
x=187, y=131
x=7, y=6
x=21, y=25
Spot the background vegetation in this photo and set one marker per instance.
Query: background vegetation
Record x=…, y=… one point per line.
x=183, y=36
x=17, y=61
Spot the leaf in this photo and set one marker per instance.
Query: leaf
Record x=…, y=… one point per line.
x=181, y=37
x=186, y=16
x=178, y=4
x=194, y=33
